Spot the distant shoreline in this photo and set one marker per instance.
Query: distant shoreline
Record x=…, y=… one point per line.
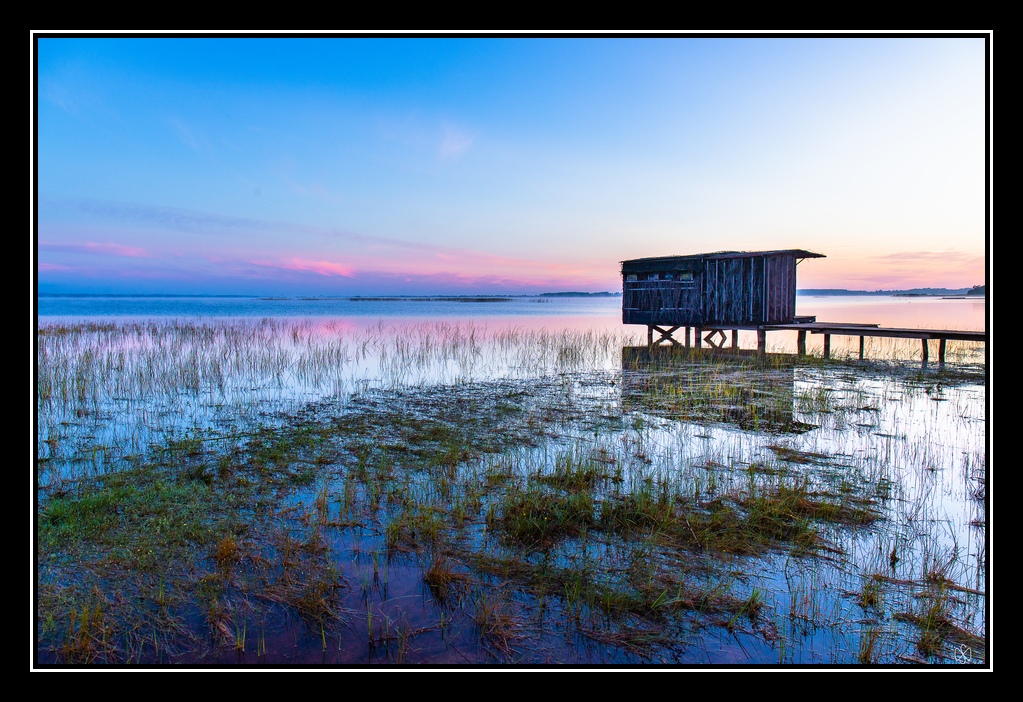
x=912, y=292
x=943, y=293
x=354, y=298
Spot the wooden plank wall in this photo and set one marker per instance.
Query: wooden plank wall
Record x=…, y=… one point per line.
x=779, y=289
x=735, y=291
x=661, y=302
x=742, y=291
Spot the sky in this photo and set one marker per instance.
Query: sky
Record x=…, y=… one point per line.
x=355, y=165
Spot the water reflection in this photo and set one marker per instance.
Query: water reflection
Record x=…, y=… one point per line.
x=733, y=386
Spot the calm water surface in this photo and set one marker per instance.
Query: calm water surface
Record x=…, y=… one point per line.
x=912, y=445
x=531, y=312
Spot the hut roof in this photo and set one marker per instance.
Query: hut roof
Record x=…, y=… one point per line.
x=671, y=260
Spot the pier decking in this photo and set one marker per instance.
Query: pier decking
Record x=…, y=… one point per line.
x=864, y=330
x=828, y=329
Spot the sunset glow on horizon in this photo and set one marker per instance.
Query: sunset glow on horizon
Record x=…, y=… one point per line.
x=439, y=165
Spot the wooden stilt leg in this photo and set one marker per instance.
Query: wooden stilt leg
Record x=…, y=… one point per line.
x=649, y=336
x=801, y=342
x=925, y=350
x=827, y=346
x=941, y=352
x=715, y=338
x=735, y=338
x=861, y=348
x=687, y=337
x=761, y=341
x=664, y=336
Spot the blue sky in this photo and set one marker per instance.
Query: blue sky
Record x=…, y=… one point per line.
x=363, y=165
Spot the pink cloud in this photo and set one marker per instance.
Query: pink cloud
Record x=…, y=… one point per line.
x=895, y=271
x=328, y=268
x=508, y=282
x=431, y=273
x=944, y=258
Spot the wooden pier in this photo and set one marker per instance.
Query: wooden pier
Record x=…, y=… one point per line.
x=716, y=335
x=864, y=330
x=729, y=291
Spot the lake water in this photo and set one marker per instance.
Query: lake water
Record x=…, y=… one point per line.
x=910, y=312
x=126, y=382
x=341, y=315
x=531, y=312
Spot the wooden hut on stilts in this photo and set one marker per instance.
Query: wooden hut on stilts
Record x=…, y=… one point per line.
x=713, y=293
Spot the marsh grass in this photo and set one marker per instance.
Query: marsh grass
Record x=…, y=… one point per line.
x=530, y=489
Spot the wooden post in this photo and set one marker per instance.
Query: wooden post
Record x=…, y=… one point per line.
x=801, y=342
x=925, y=351
x=827, y=346
x=735, y=338
x=861, y=348
x=761, y=341
x=941, y=352
x=649, y=335
x=699, y=337
x=687, y=337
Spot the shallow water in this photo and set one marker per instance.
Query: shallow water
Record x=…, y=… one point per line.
x=913, y=441
x=525, y=313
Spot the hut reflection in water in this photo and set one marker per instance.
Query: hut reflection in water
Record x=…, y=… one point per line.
x=731, y=386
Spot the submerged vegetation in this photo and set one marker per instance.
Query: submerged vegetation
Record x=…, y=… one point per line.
x=279, y=492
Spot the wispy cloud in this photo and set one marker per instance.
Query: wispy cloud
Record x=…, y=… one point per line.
x=200, y=222
x=916, y=257
x=57, y=94
x=298, y=248
x=321, y=267
x=425, y=136
x=43, y=267
x=897, y=270
x=75, y=88
x=454, y=142
x=183, y=133
x=317, y=191
x=327, y=268
x=194, y=221
x=173, y=218
x=92, y=247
